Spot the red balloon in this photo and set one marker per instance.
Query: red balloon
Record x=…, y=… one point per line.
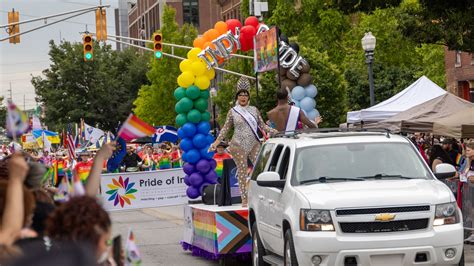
x=251, y=21
x=248, y=32
x=245, y=43
x=232, y=24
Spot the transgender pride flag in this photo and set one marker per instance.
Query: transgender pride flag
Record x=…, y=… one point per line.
x=134, y=128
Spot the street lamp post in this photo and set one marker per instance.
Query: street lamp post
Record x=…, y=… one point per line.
x=368, y=44
x=213, y=93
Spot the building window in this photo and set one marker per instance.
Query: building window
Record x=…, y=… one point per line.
x=457, y=63
x=191, y=12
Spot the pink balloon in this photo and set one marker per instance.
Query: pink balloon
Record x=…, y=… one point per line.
x=232, y=24
x=251, y=21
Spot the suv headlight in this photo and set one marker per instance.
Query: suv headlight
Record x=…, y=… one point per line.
x=316, y=220
x=446, y=214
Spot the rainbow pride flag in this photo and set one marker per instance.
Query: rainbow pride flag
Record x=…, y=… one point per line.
x=134, y=128
x=458, y=159
x=165, y=163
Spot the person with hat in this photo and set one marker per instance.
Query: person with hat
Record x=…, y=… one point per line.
x=246, y=122
x=219, y=157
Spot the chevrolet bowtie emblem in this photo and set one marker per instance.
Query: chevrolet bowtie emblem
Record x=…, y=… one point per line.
x=384, y=217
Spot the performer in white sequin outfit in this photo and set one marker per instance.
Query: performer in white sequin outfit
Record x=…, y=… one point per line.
x=245, y=143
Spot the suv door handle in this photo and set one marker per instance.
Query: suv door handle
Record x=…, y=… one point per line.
x=260, y=197
x=271, y=202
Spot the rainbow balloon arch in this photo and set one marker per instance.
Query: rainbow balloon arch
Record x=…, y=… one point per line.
x=211, y=50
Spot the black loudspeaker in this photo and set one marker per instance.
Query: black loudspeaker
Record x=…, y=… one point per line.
x=211, y=194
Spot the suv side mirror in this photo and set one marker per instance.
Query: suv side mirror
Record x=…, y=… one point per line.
x=270, y=179
x=444, y=170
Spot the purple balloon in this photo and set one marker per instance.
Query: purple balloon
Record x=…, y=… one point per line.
x=186, y=180
x=192, y=192
x=211, y=177
x=213, y=164
x=203, y=186
x=189, y=168
x=192, y=156
x=196, y=179
x=203, y=166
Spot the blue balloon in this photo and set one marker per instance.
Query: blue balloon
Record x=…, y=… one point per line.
x=307, y=104
x=298, y=93
x=203, y=127
x=189, y=129
x=311, y=115
x=205, y=153
x=199, y=141
x=192, y=156
x=311, y=91
x=186, y=144
x=297, y=103
x=185, y=157
x=210, y=139
x=181, y=134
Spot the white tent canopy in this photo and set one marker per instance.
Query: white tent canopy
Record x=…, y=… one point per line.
x=420, y=91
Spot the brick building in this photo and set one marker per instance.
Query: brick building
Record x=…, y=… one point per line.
x=460, y=73
x=144, y=15
x=230, y=9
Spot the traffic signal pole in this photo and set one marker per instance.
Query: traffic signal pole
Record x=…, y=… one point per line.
x=83, y=11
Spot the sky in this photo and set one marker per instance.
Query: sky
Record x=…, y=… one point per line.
x=18, y=62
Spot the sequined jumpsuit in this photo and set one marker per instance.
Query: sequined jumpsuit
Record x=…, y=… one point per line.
x=243, y=144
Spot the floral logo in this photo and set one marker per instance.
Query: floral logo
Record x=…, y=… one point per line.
x=121, y=191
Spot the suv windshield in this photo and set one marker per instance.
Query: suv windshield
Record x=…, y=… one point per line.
x=358, y=162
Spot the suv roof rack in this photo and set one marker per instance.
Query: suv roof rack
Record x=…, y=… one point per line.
x=296, y=133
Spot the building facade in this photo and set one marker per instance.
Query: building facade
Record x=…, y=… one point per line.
x=144, y=16
x=121, y=20
x=460, y=73
x=230, y=9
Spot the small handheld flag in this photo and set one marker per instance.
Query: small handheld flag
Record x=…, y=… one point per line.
x=17, y=121
x=134, y=128
x=131, y=251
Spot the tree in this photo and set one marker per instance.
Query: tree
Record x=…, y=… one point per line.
x=100, y=91
x=155, y=102
x=3, y=111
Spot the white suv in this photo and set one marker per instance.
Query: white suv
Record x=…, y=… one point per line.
x=351, y=198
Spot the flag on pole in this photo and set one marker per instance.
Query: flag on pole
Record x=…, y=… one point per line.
x=70, y=144
x=46, y=142
x=131, y=251
x=165, y=133
x=134, y=128
x=92, y=134
x=17, y=121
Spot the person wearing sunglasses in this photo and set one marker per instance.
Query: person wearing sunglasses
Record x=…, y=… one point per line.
x=246, y=122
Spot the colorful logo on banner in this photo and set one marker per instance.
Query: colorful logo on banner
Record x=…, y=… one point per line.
x=121, y=191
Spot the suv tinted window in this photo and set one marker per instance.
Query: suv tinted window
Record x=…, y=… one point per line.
x=274, y=161
x=283, y=169
x=262, y=159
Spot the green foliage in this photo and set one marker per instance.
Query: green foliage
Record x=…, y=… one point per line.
x=155, y=102
x=100, y=91
x=432, y=63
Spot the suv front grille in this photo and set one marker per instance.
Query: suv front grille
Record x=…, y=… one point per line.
x=382, y=227
x=383, y=210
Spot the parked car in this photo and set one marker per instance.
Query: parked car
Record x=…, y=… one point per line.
x=351, y=198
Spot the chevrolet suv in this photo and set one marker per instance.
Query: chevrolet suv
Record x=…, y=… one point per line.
x=351, y=198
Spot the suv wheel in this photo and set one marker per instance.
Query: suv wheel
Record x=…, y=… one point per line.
x=257, y=248
x=289, y=252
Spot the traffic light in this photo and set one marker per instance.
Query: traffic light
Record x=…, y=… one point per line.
x=100, y=25
x=88, y=50
x=14, y=17
x=157, y=45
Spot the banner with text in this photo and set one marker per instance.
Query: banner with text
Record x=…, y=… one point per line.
x=125, y=191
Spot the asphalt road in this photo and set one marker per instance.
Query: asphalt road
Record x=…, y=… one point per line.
x=158, y=232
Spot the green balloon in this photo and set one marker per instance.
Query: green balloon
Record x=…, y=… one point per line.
x=186, y=104
x=200, y=104
x=193, y=92
x=179, y=93
x=205, y=94
x=178, y=107
x=206, y=116
x=181, y=119
x=194, y=116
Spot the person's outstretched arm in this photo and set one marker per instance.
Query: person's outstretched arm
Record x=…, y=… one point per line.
x=306, y=121
x=12, y=220
x=93, y=181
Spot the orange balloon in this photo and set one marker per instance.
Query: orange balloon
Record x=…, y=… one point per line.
x=199, y=42
x=209, y=44
x=221, y=27
x=211, y=35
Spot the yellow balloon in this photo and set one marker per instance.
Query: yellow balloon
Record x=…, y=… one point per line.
x=211, y=73
x=193, y=53
x=198, y=67
x=185, y=65
x=202, y=82
x=180, y=81
x=187, y=79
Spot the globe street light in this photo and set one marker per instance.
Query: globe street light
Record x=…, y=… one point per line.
x=368, y=44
